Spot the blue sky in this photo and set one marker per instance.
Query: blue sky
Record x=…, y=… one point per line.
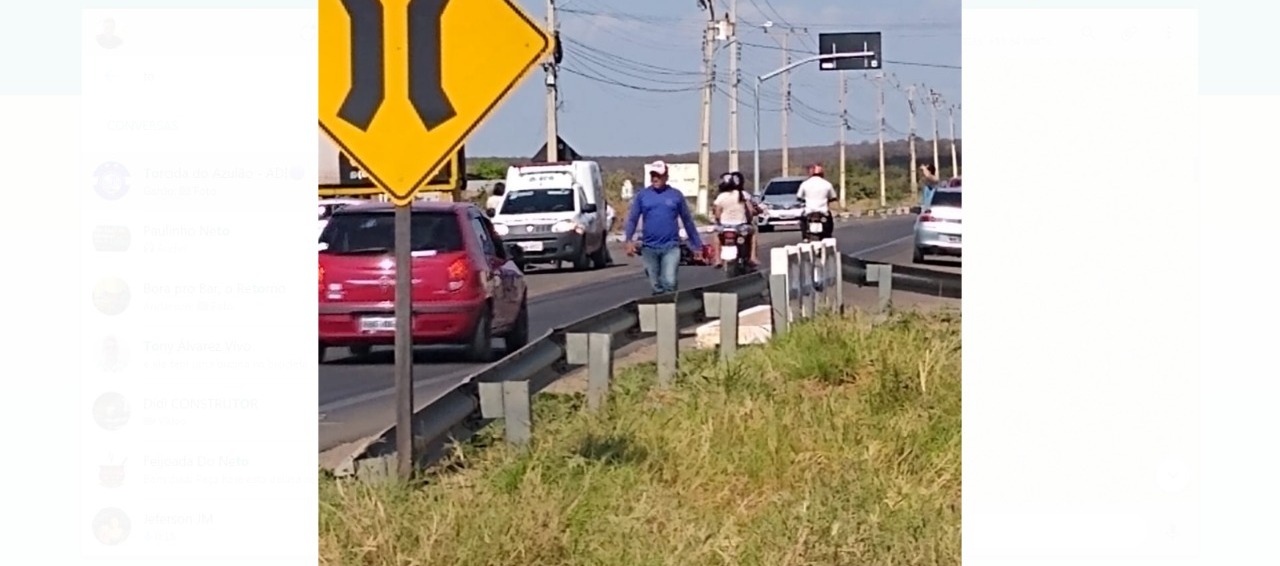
x=605, y=119
x=620, y=42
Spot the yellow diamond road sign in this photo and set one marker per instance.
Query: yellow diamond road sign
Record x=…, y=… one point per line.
x=404, y=82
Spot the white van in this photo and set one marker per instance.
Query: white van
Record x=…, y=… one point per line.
x=555, y=212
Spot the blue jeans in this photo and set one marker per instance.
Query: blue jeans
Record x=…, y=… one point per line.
x=661, y=266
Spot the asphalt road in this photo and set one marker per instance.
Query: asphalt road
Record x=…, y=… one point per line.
x=899, y=253
x=357, y=393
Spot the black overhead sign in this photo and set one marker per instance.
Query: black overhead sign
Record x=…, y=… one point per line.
x=859, y=42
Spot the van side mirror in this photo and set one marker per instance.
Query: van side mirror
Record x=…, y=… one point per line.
x=489, y=212
x=589, y=208
x=915, y=210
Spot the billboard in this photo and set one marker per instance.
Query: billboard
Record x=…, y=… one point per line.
x=683, y=176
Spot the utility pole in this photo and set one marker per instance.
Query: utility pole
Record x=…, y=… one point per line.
x=734, y=54
x=955, y=162
x=786, y=105
x=880, y=113
x=933, y=109
x=844, y=126
x=551, y=67
x=704, y=147
x=911, y=141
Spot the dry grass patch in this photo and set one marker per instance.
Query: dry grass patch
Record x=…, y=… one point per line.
x=838, y=444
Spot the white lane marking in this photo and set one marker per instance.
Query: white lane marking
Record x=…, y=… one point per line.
x=375, y=395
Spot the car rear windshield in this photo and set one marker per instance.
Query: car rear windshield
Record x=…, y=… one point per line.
x=537, y=201
x=782, y=188
x=374, y=232
x=946, y=198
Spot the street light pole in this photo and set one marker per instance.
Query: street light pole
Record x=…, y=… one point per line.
x=762, y=78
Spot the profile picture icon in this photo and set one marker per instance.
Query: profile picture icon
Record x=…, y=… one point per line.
x=111, y=526
x=107, y=38
x=112, y=180
x=113, y=355
x=111, y=411
x=111, y=296
x=111, y=473
x=112, y=238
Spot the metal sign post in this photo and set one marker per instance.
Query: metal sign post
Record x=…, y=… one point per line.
x=396, y=76
x=404, y=339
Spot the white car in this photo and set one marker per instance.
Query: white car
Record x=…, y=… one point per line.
x=330, y=205
x=780, y=206
x=937, y=228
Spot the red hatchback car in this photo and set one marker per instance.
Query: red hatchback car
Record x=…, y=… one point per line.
x=467, y=288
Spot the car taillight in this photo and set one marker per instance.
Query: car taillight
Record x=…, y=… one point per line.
x=927, y=216
x=458, y=274
x=322, y=278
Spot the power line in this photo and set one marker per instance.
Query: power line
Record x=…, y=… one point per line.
x=599, y=65
x=627, y=62
x=620, y=84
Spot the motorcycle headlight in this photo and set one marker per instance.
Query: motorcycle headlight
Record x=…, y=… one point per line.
x=501, y=229
x=566, y=226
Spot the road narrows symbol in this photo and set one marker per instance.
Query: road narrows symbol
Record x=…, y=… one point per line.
x=426, y=87
x=368, y=76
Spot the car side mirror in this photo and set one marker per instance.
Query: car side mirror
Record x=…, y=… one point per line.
x=489, y=212
x=915, y=210
x=516, y=253
x=589, y=208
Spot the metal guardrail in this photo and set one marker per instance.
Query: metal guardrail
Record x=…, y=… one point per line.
x=804, y=280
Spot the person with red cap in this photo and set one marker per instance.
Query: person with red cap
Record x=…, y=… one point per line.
x=663, y=209
x=817, y=194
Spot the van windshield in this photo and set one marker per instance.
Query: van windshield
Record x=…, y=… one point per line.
x=536, y=201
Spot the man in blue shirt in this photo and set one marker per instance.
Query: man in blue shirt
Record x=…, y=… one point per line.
x=663, y=209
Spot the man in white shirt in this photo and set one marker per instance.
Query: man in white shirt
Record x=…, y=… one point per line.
x=817, y=193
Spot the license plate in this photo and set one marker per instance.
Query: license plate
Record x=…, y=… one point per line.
x=378, y=324
x=815, y=227
x=729, y=253
x=530, y=246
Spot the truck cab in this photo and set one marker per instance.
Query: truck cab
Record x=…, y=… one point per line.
x=555, y=212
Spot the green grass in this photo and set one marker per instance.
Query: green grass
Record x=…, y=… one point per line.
x=838, y=444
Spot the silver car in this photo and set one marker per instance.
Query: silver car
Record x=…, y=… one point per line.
x=781, y=208
x=938, y=225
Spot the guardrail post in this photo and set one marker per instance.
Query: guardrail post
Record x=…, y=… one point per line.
x=660, y=318
x=808, y=287
x=596, y=351
x=511, y=402
x=882, y=276
x=837, y=276
x=724, y=306
x=779, y=291
x=825, y=252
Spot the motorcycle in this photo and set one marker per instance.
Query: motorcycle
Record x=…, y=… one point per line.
x=812, y=227
x=734, y=251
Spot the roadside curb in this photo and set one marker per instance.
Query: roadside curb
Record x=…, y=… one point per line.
x=870, y=213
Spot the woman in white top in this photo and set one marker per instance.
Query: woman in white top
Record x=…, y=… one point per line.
x=733, y=208
x=495, y=199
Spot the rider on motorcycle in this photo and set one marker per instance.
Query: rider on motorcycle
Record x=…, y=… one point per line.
x=817, y=193
x=733, y=208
